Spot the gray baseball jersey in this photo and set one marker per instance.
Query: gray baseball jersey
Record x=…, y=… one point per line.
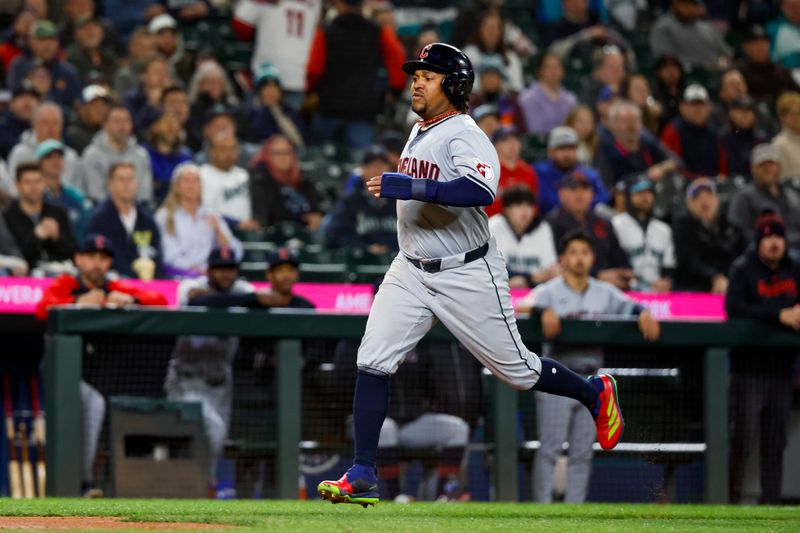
x=451, y=149
x=599, y=299
x=467, y=292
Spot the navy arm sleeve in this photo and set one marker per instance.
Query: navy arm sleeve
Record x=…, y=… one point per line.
x=461, y=192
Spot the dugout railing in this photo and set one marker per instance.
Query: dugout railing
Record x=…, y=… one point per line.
x=68, y=325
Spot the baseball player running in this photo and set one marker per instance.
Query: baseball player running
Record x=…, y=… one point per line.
x=448, y=269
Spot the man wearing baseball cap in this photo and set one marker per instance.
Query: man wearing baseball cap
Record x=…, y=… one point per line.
x=766, y=192
x=170, y=45
x=17, y=118
x=43, y=48
x=92, y=114
x=282, y=273
x=50, y=155
x=92, y=287
x=763, y=286
x=766, y=80
x=562, y=159
x=692, y=137
x=647, y=240
x=269, y=114
x=706, y=243
x=575, y=213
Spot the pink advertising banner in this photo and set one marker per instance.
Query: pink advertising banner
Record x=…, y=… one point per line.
x=20, y=295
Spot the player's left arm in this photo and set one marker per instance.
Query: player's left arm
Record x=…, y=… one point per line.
x=476, y=186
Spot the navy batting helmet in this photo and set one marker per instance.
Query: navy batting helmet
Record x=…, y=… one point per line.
x=450, y=61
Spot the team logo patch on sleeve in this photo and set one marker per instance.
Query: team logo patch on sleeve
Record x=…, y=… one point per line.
x=484, y=169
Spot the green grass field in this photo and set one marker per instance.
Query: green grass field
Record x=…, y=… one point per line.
x=317, y=516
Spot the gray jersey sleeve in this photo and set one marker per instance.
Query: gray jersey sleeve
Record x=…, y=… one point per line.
x=618, y=302
x=541, y=296
x=475, y=157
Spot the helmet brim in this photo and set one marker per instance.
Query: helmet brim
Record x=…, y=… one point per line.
x=409, y=67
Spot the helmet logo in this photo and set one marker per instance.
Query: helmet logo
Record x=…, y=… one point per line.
x=424, y=52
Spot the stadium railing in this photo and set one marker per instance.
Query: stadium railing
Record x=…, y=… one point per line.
x=64, y=353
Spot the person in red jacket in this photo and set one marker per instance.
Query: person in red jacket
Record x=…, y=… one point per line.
x=92, y=287
x=513, y=169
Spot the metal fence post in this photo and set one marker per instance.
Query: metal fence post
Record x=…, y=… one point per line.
x=62, y=376
x=715, y=376
x=289, y=416
x=506, y=452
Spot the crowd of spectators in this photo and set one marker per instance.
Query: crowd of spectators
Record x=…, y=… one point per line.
x=689, y=128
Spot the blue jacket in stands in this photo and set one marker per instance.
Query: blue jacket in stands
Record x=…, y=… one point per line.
x=550, y=178
x=105, y=221
x=358, y=220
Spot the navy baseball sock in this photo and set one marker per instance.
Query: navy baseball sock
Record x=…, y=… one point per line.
x=370, y=403
x=560, y=380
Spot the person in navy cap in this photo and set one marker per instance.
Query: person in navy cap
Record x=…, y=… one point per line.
x=283, y=272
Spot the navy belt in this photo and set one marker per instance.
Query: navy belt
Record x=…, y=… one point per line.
x=435, y=265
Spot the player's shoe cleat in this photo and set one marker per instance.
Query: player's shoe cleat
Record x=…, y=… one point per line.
x=358, y=485
x=607, y=413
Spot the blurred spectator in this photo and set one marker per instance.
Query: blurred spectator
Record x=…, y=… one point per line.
x=524, y=239
x=741, y=135
x=487, y=117
x=546, y=103
x=782, y=32
x=787, y=141
x=47, y=123
x=226, y=187
x=17, y=118
x=89, y=54
x=575, y=16
x=358, y=220
x=763, y=286
x=141, y=49
x=636, y=88
x=630, y=150
x=278, y=190
x=734, y=87
x=170, y=46
x=175, y=101
x=670, y=84
x=43, y=50
x=581, y=119
x=693, y=138
x=575, y=213
x=513, y=170
x=609, y=72
x=50, y=155
x=189, y=12
x=189, y=231
x=683, y=32
x=706, y=243
x=209, y=89
x=346, y=56
x=559, y=419
x=40, y=80
x=11, y=261
x=90, y=117
x=647, y=240
x=765, y=79
x=606, y=99
x=494, y=90
x=165, y=151
x=488, y=42
x=394, y=142
x=143, y=101
x=562, y=159
x=220, y=120
x=41, y=230
x=766, y=193
x=116, y=143
x=75, y=12
x=268, y=114
x=283, y=33
x=15, y=41
x=131, y=230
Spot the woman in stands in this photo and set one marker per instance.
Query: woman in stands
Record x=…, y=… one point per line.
x=277, y=188
x=581, y=119
x=489, y=41
x=189, y=231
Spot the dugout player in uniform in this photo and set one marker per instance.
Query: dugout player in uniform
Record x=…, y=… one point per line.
x=448, y=269
x=574, y=294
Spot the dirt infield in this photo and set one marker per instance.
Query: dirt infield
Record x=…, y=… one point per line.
x=66, y=523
